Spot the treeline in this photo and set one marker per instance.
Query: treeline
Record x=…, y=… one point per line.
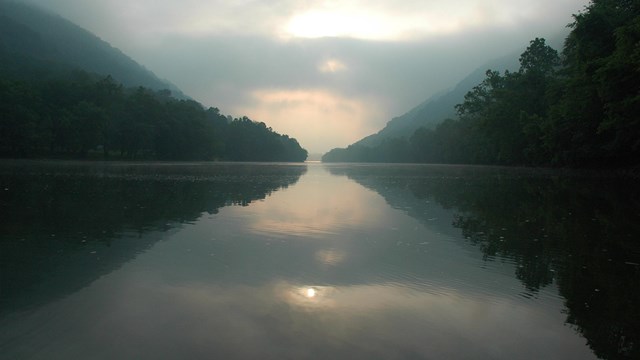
x=577, y=108
x=83, y=115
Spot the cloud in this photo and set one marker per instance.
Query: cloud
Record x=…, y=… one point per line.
x=332, y=66
x=363, y=19
x=378, y=20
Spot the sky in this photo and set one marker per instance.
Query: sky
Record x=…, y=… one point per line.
x=325, y=72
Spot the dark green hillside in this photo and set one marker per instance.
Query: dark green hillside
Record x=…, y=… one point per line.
x=35, y=43
x=579, y=107
x=85, y=116
x=64, y=93
x=434, y=110
x=441, y=106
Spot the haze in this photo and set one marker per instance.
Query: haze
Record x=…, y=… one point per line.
x=325, y=72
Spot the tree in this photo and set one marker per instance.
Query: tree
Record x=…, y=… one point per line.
x=595, y=119
x=539, y=59
x=87, y=126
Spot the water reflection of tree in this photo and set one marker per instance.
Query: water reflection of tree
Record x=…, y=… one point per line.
x=581, y=232
x=64, y=225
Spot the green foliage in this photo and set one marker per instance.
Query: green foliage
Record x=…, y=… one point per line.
x=48, y=108
x=539, y=60
x=583, y=111
x=36, y=44
x=84, y=115
x=599, y=99
x=254, y=141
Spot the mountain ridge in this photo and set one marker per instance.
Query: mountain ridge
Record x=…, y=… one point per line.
x=45, y=40
x=436, y=108
x=66, y=93
x=441, y=105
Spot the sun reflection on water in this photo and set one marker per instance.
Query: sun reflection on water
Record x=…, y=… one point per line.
x=309, y=296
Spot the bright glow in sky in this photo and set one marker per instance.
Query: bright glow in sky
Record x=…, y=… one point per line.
x=330, y=120
x=387, y=21
x=315, y=24
x=332, y=66
x=326, y=72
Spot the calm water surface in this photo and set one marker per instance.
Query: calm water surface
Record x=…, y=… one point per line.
x=275, y=261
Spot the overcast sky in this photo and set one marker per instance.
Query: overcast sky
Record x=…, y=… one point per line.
x=325, y=72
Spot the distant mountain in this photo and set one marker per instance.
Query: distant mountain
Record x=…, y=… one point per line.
x=65, y=93
x=439, y=107
x=35, y=43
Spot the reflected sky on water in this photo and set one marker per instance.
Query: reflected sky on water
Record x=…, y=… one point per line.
x=302, y=261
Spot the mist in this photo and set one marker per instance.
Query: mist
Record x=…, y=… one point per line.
x=325, y=73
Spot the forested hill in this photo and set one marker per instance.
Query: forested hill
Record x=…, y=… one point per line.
x=579, y=107
x=437, y=108
x=31, y=39
x=64, y=93
x=441, y=106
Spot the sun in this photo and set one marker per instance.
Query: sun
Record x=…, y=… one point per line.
x=361, y=20
x=322, y=23
x=311, y=292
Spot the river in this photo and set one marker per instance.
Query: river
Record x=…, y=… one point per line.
x=316, y=261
